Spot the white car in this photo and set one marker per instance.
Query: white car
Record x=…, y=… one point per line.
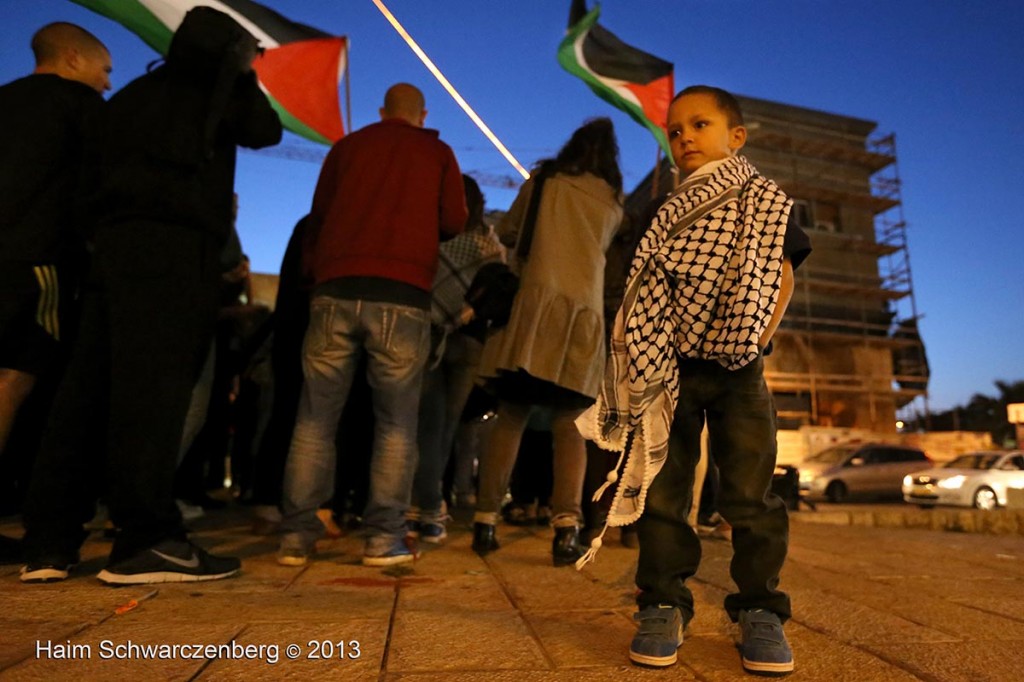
x=978, y=480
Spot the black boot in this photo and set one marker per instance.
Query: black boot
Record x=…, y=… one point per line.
x=566, y=548
x=484, y=540
x=628, y=536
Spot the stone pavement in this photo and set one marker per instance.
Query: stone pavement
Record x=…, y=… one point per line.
x=870, y=604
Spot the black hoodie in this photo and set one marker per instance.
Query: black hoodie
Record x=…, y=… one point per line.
x=172, y=133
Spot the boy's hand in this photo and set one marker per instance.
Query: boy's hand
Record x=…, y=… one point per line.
x=785, y=294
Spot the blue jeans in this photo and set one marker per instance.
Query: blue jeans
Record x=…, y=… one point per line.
x=740, y=415
x=396, y=340
x=445, y=391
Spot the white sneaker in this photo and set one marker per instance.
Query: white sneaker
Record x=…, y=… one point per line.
x=190, y=512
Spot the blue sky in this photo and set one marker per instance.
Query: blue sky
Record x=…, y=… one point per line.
x=943, y=76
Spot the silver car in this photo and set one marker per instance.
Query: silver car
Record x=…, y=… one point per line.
x=978, y=480
x=860, y=470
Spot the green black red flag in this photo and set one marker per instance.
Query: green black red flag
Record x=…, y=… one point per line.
x=630, y=79
x=299, y=70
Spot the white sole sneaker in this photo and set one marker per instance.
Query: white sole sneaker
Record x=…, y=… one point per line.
x=44, y=574
x=388, y=560
x=764, y=667
x=110, y=578
x=292, y=560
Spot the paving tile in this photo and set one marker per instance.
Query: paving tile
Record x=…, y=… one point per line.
x=18, y=638
x=913, y=560
x=709, y=616
x=710, y=657
x=820, y=657
x=533, y=583
x=98, y=657
x=964, y=554
x=870, y=604
x=963, y=589
x=79, y=599
x=448, y=641
x=851, y=622
x=342, y=650
x=614, y=566
x=955, y=620
x=977, y=661
x=311, y=603
x=472, y=590
x=574, y=639
x=714, y=564
x=1009, y=605
x=716, y=658
x=625, y=673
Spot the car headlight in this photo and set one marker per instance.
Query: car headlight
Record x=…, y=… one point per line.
x=953, y=482
x=907, y=481
x=806, y=476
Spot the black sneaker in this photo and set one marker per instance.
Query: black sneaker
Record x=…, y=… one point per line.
x=171, y=561
x=45, y=572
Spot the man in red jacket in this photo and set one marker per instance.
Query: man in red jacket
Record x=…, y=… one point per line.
x=387, y=195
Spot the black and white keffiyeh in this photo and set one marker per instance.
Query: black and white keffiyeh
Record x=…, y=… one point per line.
x=458, y=261
x=703, y=283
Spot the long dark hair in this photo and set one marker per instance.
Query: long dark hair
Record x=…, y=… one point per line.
x=475, y=204
x=591, y=149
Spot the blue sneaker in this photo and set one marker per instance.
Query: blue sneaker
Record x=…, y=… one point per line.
x=659, y=636
x=763, y=646
x=433, y=532
x=401, y=550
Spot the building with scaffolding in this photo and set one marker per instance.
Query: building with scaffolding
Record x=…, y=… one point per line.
x=847, y=353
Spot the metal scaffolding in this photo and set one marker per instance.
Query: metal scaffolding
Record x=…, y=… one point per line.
x=853, y=318
x=847, y=352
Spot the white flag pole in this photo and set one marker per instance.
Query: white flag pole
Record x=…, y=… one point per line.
x=451, y=90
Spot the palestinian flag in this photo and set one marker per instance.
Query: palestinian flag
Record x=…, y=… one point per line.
x=299, y=71
x=632, y=80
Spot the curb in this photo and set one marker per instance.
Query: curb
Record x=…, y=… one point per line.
x=998, y=522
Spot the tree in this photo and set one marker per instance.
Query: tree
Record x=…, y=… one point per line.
x=981, y=413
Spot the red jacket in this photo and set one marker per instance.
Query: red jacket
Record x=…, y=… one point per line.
x=386, y=194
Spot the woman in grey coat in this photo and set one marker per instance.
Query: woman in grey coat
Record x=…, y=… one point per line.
x=551, y=353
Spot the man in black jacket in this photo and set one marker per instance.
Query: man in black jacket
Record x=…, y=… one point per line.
x=166, y=198
x=49, y=122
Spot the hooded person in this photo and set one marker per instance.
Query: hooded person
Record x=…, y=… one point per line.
x=165, y=202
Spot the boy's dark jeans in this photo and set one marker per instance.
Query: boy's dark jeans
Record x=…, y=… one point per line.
x=741, y=424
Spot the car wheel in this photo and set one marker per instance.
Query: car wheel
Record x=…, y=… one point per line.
x=836, y=492
x=985, y=499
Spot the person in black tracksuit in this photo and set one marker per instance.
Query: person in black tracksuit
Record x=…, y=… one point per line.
x=49, y=121
x=151, y=302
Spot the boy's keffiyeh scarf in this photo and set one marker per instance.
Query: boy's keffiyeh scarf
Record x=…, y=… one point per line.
x=703, y=284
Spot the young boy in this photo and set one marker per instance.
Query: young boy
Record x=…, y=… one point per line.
x=708, y=286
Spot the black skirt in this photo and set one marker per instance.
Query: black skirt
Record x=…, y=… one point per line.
x=524, y=388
